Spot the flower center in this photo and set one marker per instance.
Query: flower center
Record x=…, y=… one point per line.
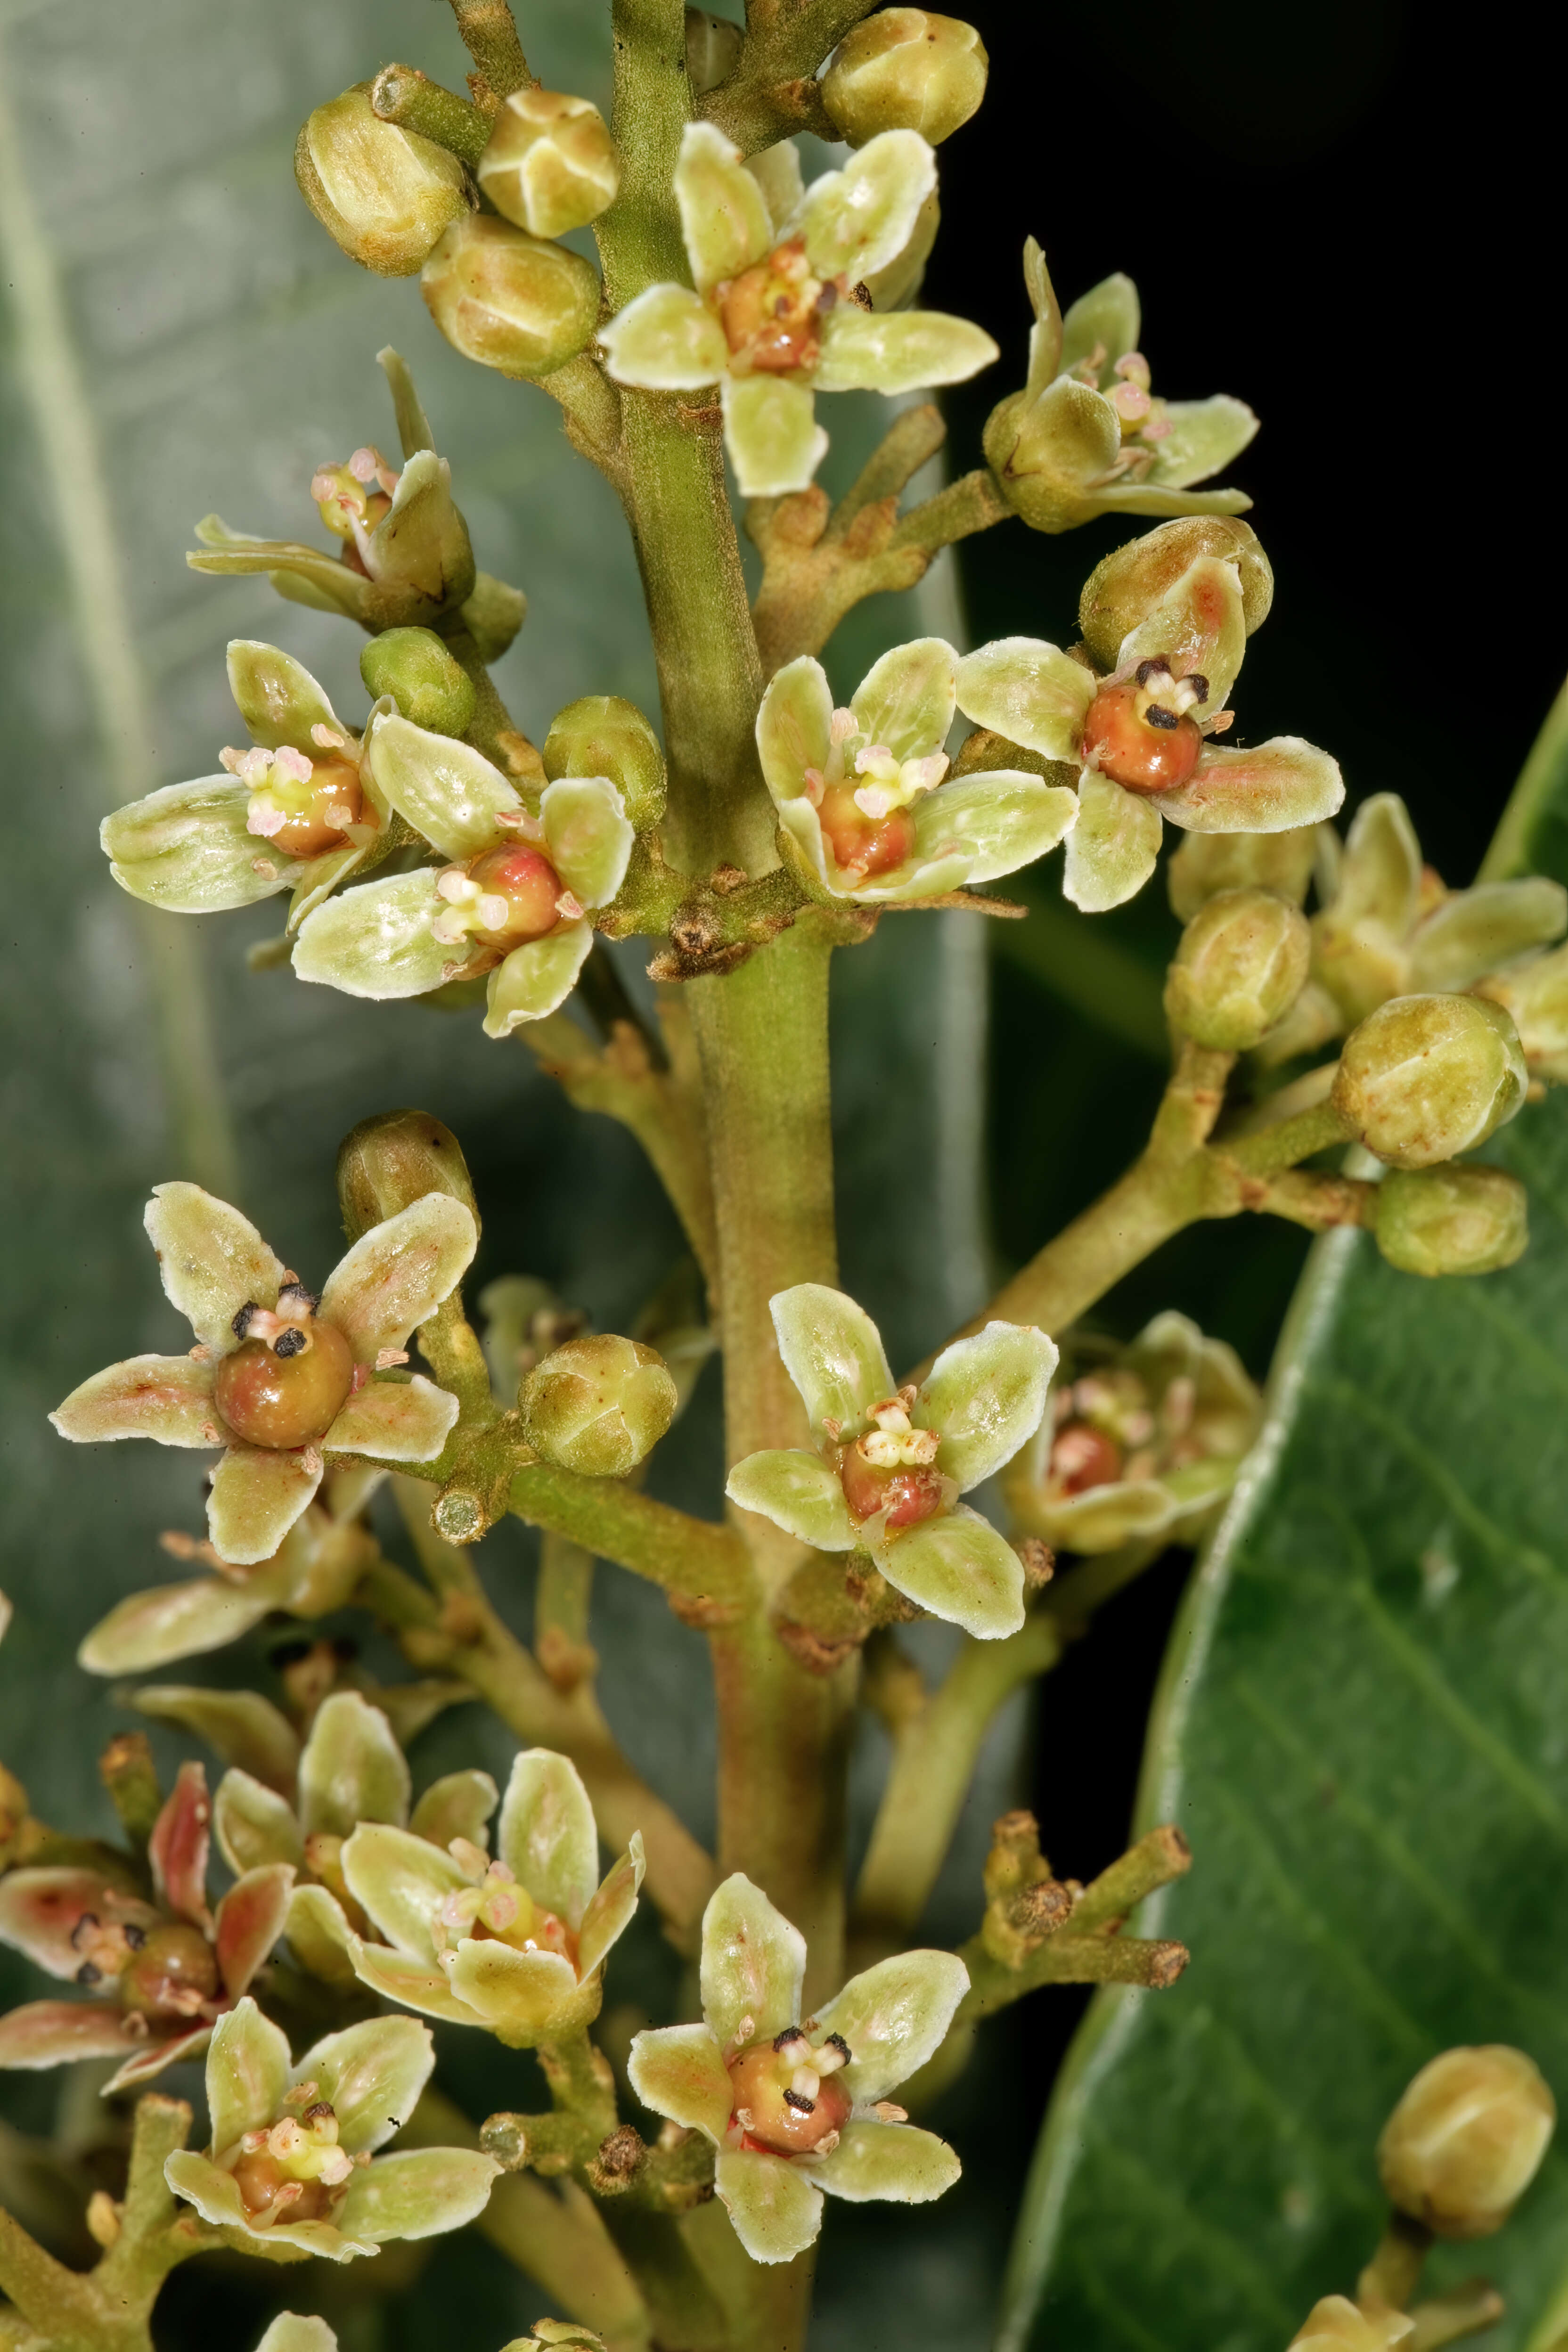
x=1139, y=733
x=499, y=1909
x=1083, y=1456
x=290, y=1375
x=863, y=797
x=305, y=806
x=1143, y=418
x=891, y=1469
x=772, y=313
x=503, y=899
x=294, y=2170
x=355, y=498
x=785, y=2098
x=172, y=1974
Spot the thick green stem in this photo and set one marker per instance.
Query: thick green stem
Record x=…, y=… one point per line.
x=489, y=35
x=404, y=95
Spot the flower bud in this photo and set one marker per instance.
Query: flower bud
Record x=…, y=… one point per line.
x=429, y=687
x=1208, y=863
x=597, y=1405
x=1337, y=2325
x=384, y=193
x=1463, y=2145
x=493, y=615
x=1535, y=992
x=712, y=45
x=507, y=300
x=603, y=735
x=1452, y=1220
x=1242, y=963
x=1125, y=588
x=1425, y=1078
x=905, y=69
x=551, y=165
x=388, y=1161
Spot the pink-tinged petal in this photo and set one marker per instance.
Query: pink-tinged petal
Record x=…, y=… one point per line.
x=1197, y=626
x=40, y=1910
x=372, y=2076
x=754, y=1963
x=546, y=1836
x=249, y=1921
x=396, y=1275
x=152, y=2058
x=212, y=1260
x=418, y=1984
x=166, y=1398
x=421, y=2192
x=892, y=2160
x=178, y=1847
x=678, y=2071
x=520, y=1995
x=56, y=2032
x=1273, y=789
x=609, y=1912
x=255, y=1498
x=894, y=2016
x=245, y=1729
x=247, y=2075
x=395, y=1421
x=175, y=1620
x=774, y=2207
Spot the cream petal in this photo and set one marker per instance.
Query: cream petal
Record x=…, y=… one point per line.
x=536, y=979
x=774, y=2207
x=856, y=221
x=418, y=1984
x=795, y=727
x=1029, y=690
x=1106, y=321
x=247, y=2075
x=351, y=1769
x=177, y=1620
x=401, y=1881
x=588, y=835
x=520, y=1995
x=211, y=1260
x=959, y=1567
x=58, y=2033
x=254, y=1825
x=833, y=1352
x=1380, y=871
x=188, y=849
x=997, y=819
x=770, y=431
x=395, y=1421
x=244, y=1728
x=678, y=2071
x=1474, y=931
x=610, y=1907
x=895, y=2161
x=150, y=2059
x=723, y=212
x=1203, y=436
x=899, y=350
x=396, y=1275
x=420, y=2193
x=290, y=2332
x=459, y=1805
x=666, y=339
x=321, y=1938
x=372, y=2076
x=906, y=701
x=546, y=1835
x=985, y=1396
x=166, y=1398
x=1114, y=847
x=753, y=1964
x=444, y=788
x=255, y=1498
x=1272, y=789
x=894, y=2017
x=1198, y=624
x=798, y=1492
x=276, y=696
x=376, y=940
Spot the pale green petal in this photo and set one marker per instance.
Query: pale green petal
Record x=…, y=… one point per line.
x=776, y=171
x=1272, y=788
x=320, y=1938
x=806, y=849
x=177, y=1620
x=794, y=726
x=211, y=1260
x=165, y=1398
x=290, y=2332
x=985, y=1395
x=240, y=1726
x=418, y=1984
x=1029, y=691
x=997, y=819
x=678, y=2071
x=546, y=1836
x=1205, y=436
x=1063, y=443
x=588, y=835
x=1107, y=319
x=187, y=849
x=536, y=979
x=753, y=1964
x=401, y=1881
x=276, y=696
x=770, y=431
x=1103, y=1518
x=372, y=2076
x=959, y=1567
x=254, y=1824
x=1380, y=872
x=395, y=1421
x=247, y=2073
x=610, y=1907
x=1151, y=498
x=446, y=790
x=857, y=220
x=1474, y=931
x=256, y=1498
x=887, y=2160
x=376, y=940
x=667, y=339
x=1199, y=625
x=520, y=1995
x=396, y=1275
x=894, y=2017
x=458, y=1804
x=797, y=1492
x=899, y=350
x=775, y=2208
x=1046, y=335
x=917, y=878
x=321, y=877
x=833, y=1352
x=907, y=700
x=723, y=212
x=1113, y=848
x=351, y=1769
x=420, y=2193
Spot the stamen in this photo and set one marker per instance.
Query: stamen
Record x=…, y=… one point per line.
x=802, y=2106
x=834, y=2041
x=291, y=1342
x=791, y=2034
x=242, y=1320
x=1157, y=716
x=1155, y=667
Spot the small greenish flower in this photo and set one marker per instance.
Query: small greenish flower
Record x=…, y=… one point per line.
x=292, y=2160
x=1141, y=1441
x=1139, y=738
x=1337, y=2325
x=773, y=318
x=1466, y=2139
x=1087, y=436
x=517, y=1945
x=796, y=2105
x=514, y=900
x=280, y=1377
x=160, y=1973
x=863, y=811
x=1534, y=991
x=892, y=1462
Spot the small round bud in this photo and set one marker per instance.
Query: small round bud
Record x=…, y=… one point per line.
x=712, y=45
x=551, y=165
x=1208, y=863
x=1452, y=1220
x=387, y=1162
x=1425, y=1078
x=604, y=735
x=429, y=687
x=597, y=1405
x=384, y=193
x=1241, y=965
x=507, y=300
x=905, y=69
x=1125, y=588
x=1337, y=2325
x=1463, y=2145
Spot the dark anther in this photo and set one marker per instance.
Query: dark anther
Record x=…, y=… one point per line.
x=1199, y=684
x=317, y=2111
x=135, y=1936
x=296, y=1291
x=241, y=1323
x=791, y=2034
x=1155, y=667
x=1157, y=716
x=800, y=2103
x=87, y=1919
x=836, y=2042
x=293, y=1342
x=87, y=1975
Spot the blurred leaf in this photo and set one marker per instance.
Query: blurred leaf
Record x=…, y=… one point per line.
x=1532, y=837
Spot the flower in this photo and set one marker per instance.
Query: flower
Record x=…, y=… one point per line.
x=1145, y=1442
x=280, y=1377
x=163, y=1971
x=513, y=901
x=775, y=316
x=795, y=2106
x=516, y=1945
x=1088, y=436
x=292, y=2160
x=1138, y=737
x=893, y=1462
x=862, y=806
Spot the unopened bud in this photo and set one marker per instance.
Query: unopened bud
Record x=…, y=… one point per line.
x=493, y=615
x=1535, y=992
x=429, y=687
x=507, y=300
x=1208, y=863
x=597, y=1405
x=1241, y=965
x=1464, y=2143
x=551, y=165
x=1125, y=588
x=1452, y=1220
x=388, y=1161
x=384, y=193
x=905, y=69
x=1337, y=2325
x=712, y=45
x=604, y=735
x=1425, y=1078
